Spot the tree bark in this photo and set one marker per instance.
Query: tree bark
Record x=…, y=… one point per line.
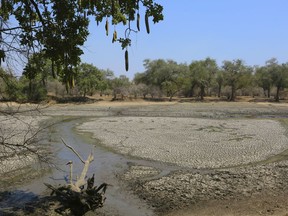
x=232, y=93
x=219, y=91
x=81, y=181
x=268, y=92
x=202, y=92
x=277, y=99
x=192, y=90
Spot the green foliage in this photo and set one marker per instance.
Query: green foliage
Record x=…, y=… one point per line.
x=59, y=28
x=11, y=89
x=31, y=86
x=219, y=80
x=264, y=79
x=121, y=81
x=32, y=90
x=120, y=85
x=38, y=67
x=154, y=73
x=168, y=76
x=90, y=79
x=236, y=75
x=202, y=73
x=35, y=75
x=279, y=75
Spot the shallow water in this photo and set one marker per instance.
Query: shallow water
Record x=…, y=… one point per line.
x=106, y=166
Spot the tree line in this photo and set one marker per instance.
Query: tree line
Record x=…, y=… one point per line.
x=161, y=78
x=206, y=78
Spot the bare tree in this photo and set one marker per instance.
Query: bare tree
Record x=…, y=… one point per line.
x=20, y=133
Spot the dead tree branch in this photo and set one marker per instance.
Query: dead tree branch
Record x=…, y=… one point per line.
x=74, y=196
x=73, y=150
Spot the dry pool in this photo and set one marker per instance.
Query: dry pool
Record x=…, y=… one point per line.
x=191, y=142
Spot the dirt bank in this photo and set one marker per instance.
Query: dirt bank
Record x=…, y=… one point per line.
x=219, y=192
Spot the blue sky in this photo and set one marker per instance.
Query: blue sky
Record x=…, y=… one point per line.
x=251, y=30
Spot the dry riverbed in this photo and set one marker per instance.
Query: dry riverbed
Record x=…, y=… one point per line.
x=227, y=158
x=222, y=150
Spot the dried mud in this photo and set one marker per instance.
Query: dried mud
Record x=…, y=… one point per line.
x=256, y=186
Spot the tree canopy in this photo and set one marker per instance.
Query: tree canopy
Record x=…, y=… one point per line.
x=59, y=28
x=90, y=79
x=201, y=78
x=202, y=73
x=207, y=78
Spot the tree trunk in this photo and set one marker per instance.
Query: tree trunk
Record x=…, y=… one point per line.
x=44, y=82
x=232, y=93
x=277, y=94
x=202, y=92
x=192, y=90
x=30, y=88
x=264, y=91
x=268, y=92
x=219, y=91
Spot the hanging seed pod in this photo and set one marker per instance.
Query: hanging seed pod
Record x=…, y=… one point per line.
x=138, y=21
x=126, y=60
x=147, y=23
x=107, y=27
x=80, y=3
x=114, y=36
x=85, y=14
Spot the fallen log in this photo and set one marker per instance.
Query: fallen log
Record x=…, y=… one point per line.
x=74, y=198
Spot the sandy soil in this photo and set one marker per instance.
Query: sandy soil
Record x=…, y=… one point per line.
x=198, y=186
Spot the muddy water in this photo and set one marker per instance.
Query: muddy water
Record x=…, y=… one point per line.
x=106, y=166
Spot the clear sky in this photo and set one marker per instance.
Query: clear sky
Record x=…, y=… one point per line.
x=251, y=30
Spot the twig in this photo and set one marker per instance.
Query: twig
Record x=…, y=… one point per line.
x=72, y=149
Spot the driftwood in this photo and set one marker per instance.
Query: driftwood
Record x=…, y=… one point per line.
x=77, y=198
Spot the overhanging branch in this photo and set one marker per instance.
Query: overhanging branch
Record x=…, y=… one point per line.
x=38, y=12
